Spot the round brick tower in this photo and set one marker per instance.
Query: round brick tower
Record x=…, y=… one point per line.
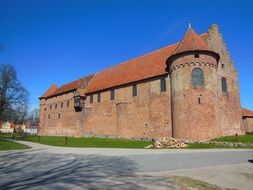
x=193, y=76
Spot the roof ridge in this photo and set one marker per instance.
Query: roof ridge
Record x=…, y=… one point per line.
x=143, y=55
x=79, y=79
x=121, y=63
x=151, y=59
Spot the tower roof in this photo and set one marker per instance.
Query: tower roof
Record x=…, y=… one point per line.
x=191, y=42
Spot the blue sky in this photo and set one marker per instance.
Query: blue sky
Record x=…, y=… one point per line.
x=57, y=41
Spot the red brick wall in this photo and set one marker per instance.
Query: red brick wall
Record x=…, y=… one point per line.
x=193, y=119
x=69, y=121
x=248, y=124
x=146, y=115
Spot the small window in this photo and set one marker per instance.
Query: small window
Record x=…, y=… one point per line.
x=48, y=116
x=196, y=55
x=91, y=99
x=163, y=84
x=222, y=66
x=112, y=94
x=134, y=90
x=68, y=104
x=99, y=97
x=50, y=106
x=199, y=101
x=62, y=105
x=197, y=77
x=77, y=101
x=224, y=84
x=59, y=115
x=55, y=106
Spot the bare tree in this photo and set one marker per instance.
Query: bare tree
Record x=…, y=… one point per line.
x=33, y=117
x=13, y=96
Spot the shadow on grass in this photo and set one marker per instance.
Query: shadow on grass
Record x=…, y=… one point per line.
x=28, y=170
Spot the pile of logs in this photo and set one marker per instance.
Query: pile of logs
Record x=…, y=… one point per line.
x=168, y=142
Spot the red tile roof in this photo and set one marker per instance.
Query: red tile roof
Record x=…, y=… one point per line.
x=143, y=67
x=246, y=112
x=50, y=91
x=72, y=86
x=147, y=66
x=191, y=42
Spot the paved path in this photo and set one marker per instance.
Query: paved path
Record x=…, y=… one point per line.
x=49, y=167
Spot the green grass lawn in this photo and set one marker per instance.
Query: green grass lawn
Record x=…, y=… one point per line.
x=233, y=139
x=89, y=142
x=240, y=138
x=83, y=142
x=119, y=143
x=8, y=145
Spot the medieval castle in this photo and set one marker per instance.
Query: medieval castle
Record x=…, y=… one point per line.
x=188, y=90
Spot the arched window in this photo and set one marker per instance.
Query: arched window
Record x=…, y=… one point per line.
x=224, y=84
x=197, y=77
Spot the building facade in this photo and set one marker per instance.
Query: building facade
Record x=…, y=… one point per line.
x=188, y=90
x=7, y=127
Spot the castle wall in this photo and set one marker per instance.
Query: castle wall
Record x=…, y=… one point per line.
x=197, y=113
x=65, y=124
x=146, y=115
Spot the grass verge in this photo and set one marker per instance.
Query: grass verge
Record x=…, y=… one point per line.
x=96, y=142
x=239, y=138
x=84, y=142
x=89, y=142
x=8, y=145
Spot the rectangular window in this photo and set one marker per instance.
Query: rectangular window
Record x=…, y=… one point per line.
x=163, y=85
x=55, y=106
x=199, y=100
x=62, y=105
x=99, y=97
x=48, y=116
x=59, y=115
x=50, y=107
x=112, y=94
x=91, y=98
x=134, y=90
x=68, y=104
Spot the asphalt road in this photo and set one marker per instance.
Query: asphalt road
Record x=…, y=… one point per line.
x=48, y=167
